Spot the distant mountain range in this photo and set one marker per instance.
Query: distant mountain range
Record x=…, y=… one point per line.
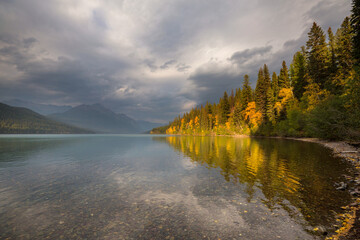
x=96, y=118
x=43, y=109
x=22, y=120
x=101, y=120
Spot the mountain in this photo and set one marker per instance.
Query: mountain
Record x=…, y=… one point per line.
x=43, y=109
x=146, y=126
x=23, y=120
x=98, y=118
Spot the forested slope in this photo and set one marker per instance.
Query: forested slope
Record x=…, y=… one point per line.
x=318, y=95
x=22, y=120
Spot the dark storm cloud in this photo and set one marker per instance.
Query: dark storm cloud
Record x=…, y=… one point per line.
x=148, y=59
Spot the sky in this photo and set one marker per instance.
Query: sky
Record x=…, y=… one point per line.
x=152, y=59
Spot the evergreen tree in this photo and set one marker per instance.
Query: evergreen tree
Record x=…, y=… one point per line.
x=246, y=94
x=275, y=85
x=259, y=90
x=355, y=24
x=224, y=108
x=284, y=80
x=267, y=80
x=232, y=99
x=298, y=73
x=262, y=86
x=317, y=54
x=343, y=51
x=204, y=119
x=270, y=111
x=332, y=56
x=237, y=116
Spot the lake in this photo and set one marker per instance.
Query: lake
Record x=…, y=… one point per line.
x=167, y=187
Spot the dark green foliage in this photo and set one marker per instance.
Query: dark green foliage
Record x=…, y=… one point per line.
x=329, y=120
x=355, y=24
x=270, y=111
x=343, y=54
x=275, y=85
x=298, y=74
x=237, y=116
x=332, y=53
x=317, y=53
x=224, y=110
x=353, y=97
x=22, y=120
x=284, y=80
x=262, y=86
x=159, y=130
x=246, y=93
x=294, y=124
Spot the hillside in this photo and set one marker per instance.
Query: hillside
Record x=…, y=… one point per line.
x=22, y=120
x=43, y=109
x=98, y=118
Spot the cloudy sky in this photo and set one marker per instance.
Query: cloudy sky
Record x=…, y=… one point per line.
x=150, y=59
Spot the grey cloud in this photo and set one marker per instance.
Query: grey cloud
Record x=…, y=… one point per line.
x=28, y=42
x=182, y=67
x=167, y=64
x=246, y=55
x=329, y=13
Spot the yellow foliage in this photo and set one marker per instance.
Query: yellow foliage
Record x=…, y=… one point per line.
x=252, y=116
x=197, y=122
x=228, y=125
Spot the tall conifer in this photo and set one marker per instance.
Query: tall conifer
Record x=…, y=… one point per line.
x=317, y=53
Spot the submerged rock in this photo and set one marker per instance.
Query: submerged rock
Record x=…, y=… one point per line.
x=342, y=186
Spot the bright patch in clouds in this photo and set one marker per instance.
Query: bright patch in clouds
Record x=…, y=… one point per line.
x=148, y=59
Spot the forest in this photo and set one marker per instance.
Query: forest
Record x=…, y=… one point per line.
x=317, y=95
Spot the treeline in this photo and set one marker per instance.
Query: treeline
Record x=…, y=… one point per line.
x=17, y=120
x=318, y=95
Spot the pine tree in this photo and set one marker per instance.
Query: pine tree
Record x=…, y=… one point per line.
x=262, y=85
x=270, y=111
x=284, y=80
x=298, y=73
x=317, y=53
x=343, y=51
x=204, y=119
x=232, y=99
x=259, y=91
x=332, y=54
x=353, y=86
x=355, y=24
x=224, y=108
x=246, y=93
x=237, y=115
x=275, y=85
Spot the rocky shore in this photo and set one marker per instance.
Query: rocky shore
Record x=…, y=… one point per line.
x=349, y=222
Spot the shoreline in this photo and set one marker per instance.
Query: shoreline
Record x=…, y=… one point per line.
x=349, y=227
x=350, y=221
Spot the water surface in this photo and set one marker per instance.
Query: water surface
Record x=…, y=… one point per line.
x=167, y=187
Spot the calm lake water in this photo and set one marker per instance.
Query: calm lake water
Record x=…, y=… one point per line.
x=167, y=187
